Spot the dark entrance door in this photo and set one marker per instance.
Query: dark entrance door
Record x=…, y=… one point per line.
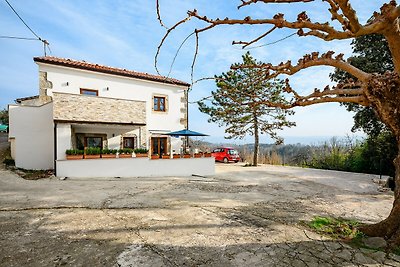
x=159, y=146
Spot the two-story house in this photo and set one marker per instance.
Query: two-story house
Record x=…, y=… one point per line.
x=81, y=105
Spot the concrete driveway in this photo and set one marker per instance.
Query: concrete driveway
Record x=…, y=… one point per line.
x=240, y=216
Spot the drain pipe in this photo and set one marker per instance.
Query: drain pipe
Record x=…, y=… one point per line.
x=55, y=148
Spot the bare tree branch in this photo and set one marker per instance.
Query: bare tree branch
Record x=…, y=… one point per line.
x=249, y=2
x=310, y=61
x=246, y=44
x=164, y=38
x=278, y=21
x=194, y=58
x=159, y=15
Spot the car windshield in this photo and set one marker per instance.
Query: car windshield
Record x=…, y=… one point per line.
x=232, y=152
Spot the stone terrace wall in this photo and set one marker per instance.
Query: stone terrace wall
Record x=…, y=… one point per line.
x=83, y=108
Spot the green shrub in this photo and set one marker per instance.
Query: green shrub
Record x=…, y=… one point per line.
x=141, y=151
x=109, y=151
x=74, y=152
x=125, y=151
x=93, y=151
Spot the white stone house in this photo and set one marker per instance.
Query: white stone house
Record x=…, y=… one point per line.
x=81, y=104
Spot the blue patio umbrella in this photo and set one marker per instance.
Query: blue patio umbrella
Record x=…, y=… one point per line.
x=186, y=132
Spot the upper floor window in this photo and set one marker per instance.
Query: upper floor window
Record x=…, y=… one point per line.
x=89, y=92
x=159, y=103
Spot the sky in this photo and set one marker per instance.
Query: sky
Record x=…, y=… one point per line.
x=126, y=34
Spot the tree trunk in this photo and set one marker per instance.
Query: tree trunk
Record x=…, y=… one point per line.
x=256, y=141
x=384, y=94
x=390, y=227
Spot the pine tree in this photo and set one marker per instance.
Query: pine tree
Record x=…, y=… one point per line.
x=239, y=103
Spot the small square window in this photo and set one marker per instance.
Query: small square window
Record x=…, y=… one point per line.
x=159, y=103
x=129, y=142
x=89, y=92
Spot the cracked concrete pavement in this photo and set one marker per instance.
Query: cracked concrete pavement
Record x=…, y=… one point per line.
x=241, y=216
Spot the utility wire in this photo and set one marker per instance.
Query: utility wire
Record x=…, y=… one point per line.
x=18, y=38
x=271, y=43
x=16, y=13
x=45, y=42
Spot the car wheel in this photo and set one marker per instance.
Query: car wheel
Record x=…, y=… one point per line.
x=236, y=161
x=226, y=160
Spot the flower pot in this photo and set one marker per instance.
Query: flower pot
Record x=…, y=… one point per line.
x=186, y=156
x=176, y=156
x=125, y=156
x=197, y=155
x=74, y=157
x=92, y=156
x=207, y=155
x=141, y=155
x=108, y=156
x=155, y=156
x=166, y=156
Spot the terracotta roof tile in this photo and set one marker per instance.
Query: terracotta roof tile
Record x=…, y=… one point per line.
x=109, y=70
x=19, y=100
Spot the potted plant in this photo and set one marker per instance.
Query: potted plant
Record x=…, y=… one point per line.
x=198, y=155
x=207, y=154
x=108, y=153
x=166, y=156
x=141, y=152
x=155, y=156
x=186, y=155
x=176, y=156
x=73, y=154
x=92, y=153
x=125, y=153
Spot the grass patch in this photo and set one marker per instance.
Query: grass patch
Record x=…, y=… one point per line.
x=337, y=228
x=396, y=251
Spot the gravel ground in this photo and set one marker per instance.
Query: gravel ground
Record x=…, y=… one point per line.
x=241, y=216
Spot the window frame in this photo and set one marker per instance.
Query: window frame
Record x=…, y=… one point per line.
x=82, y=90
x=129, y=137
x=86, y=143
x=158, y=107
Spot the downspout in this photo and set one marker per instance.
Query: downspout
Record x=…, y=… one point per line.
x=187, y=108
x=140, y=137
x=55, y=148
x=187, y=118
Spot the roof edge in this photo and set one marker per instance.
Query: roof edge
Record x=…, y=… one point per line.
x=83, y=65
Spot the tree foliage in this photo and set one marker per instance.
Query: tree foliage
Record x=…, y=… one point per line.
x=238, y=103
x=372, y=55
x=4, y=116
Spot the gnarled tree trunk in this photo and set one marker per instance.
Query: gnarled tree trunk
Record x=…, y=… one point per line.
x=384, y=93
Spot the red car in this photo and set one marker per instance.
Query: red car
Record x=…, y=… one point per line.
x=225, y=154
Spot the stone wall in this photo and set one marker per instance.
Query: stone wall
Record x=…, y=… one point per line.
x=83, y=108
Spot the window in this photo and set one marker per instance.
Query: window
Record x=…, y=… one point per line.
x=232, y=152
x=159, y=103
x=94, y=142
x=89, y=92
x=129, y=142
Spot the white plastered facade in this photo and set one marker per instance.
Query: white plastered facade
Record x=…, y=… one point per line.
x=39, y=139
